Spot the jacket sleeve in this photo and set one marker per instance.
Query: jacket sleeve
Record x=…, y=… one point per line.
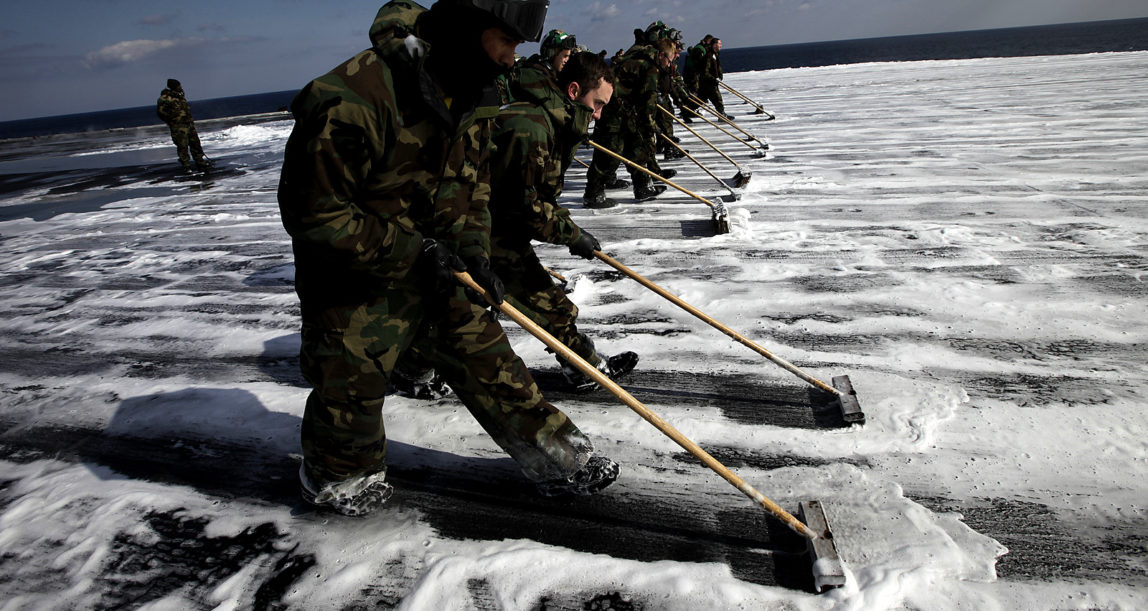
x=678, y=87
x=322, y=190
x=649, y=100
x=528, y=175
x=474, y=240
x=462, y=188
x=473, y=237
x=163, y=109
x=695, y=61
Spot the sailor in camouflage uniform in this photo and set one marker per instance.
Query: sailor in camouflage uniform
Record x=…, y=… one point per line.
x=695, y=58
x=172, y=108
x=536, y=140
x=709, y=73
x=654, y=32
x=385, y=194
x=671, y=90
x=628, y=126
x=556, y=50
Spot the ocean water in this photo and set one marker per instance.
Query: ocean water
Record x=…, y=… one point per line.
x=1063, y=39
x=142, y=116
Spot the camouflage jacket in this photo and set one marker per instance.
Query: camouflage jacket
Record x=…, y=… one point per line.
x=536, y=138
x=377, y=162
x=535, y=65
x=715, y=65
x=172, y=107
x=705, y=62
x=635, y=100
x=670, y=83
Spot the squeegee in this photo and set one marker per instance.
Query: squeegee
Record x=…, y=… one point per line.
x=828, y=570
x=842, y=388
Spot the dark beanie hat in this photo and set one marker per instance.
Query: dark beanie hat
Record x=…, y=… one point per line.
x=172, y=84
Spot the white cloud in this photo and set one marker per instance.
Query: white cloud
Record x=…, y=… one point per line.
x=599, y=12
x=131, y=51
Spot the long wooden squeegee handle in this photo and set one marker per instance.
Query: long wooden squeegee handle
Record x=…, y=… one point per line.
x=720, y=128
x=652, y=174
x=695, y=160
x=700, y=137
x=749, y=101
x=741, y=339
x=643, y=411
x=728, y=121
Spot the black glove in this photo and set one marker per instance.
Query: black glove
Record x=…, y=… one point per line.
x=437, y=264
x=585, y=245
x=486, y=278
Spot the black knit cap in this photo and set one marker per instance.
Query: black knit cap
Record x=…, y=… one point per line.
x=173, y=84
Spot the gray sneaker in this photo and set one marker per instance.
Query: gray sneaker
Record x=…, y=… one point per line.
x=598, y=473
x=355, y=496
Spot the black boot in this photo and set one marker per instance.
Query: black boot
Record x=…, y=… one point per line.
x=667, y=173
x=577, y=380
x=598, y=473
x=598, y=200
x=617, y=183
x=355, y=496
x=614, y=367
x=647, y=192
x=621, y=364
x=427, y=385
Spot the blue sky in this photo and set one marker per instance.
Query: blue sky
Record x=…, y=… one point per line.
x=69, y=56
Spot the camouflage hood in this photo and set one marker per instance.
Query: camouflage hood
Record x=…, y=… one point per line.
x=400, y=35
x=535, y=83
x=377, y=162
x=172, y=106
x=394, y=32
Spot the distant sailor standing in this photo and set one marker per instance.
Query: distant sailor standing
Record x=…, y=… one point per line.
x=173, y=109
x=709, y=73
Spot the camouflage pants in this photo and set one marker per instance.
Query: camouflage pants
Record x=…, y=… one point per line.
x=665, y=121
x=631, y=143
x=688, y=102
x=709, y=92
x=187, y=144
x=348, y=354
x=531, y=290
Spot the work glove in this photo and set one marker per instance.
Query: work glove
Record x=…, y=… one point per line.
x=585, y=245
x=480, y=271
x=436, y=265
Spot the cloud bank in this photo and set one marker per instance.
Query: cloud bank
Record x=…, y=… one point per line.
x=132, y=51
x=600, y=12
